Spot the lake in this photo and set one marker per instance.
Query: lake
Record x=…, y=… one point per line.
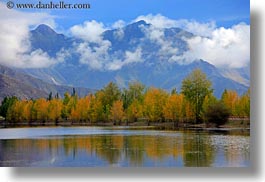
x=123, y=147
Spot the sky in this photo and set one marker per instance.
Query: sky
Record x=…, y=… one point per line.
x=222, y=29
x=224, y=12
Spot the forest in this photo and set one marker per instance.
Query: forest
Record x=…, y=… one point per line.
x=194, y=103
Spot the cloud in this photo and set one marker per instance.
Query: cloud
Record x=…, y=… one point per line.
x=118, y=24
x=219, y=46
x=222, y=47
x=99, y=58
x=119, y=34
x=157, y=35
x=197, y=28
x=89, y=31
x=15, y=48
x=129, y=57
x=95, y=51
x=94, y=56
x=225, y=48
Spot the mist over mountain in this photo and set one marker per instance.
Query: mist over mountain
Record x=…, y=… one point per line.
x=138, y=51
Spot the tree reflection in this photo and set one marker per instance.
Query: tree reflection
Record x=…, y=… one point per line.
x=198, y=151
x=188, y=149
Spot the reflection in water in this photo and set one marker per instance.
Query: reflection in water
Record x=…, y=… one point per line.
x=197, y=150
x=168, y=149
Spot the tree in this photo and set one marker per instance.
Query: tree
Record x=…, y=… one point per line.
x=135, y=91
x=154, y=101
x=242, y=105
x=188, y=111
x=107, y=96
x=80, y=112
x=50, y=96
x=195, y=88
x=96, y=111
x=54, y=110
x=40, y=107
x=230, y=99
x=135, y=111
x=68, y=103
x=116, y=111
x=173, y=108
x=217, y=113
x=208, y=100
x=6, y=104
x=245, y=103
x=26, y=115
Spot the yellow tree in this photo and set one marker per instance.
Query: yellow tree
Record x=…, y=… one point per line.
x=135, y=111
x=154, y=101
x=40, y=109
x=27, y=106
x=188, y=111
x=243, y=105
x=173, y=108
x=81, y=111
x=96, y=111
x=230, y=98
x=117, y=112
x=55, y=109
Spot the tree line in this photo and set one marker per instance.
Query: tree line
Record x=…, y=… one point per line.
x=194, y=103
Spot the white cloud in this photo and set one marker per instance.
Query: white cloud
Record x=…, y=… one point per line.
x=158, y=20
x=119, y=34
x=225, y=48
x=129, y=57
x=157, y=35
x=89, y=31
x=132, y=57
x=118, y=24
x=219, y=46
x=222, y=47
x=197, y=28
x=94, y=56
x=15, y=48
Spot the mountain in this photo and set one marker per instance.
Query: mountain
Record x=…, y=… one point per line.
x=45, y=38
x=152, y=66
x=15, y=83
x=12, y=87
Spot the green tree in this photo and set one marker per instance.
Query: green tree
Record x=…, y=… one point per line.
x=6, y=104
x=217, y=113
x=208, y=100
x=65, y=110
x=135, y=91
x=195, y=88
x=107, y=96
x=50, y=96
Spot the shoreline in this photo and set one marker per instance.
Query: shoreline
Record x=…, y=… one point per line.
x=232, y=124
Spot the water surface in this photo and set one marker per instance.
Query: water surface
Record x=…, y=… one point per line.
x=123, y=147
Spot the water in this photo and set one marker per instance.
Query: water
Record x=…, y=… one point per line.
x=122, y=147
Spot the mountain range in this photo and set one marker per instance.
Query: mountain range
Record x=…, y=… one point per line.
x=23, y=86
x=134, y=52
